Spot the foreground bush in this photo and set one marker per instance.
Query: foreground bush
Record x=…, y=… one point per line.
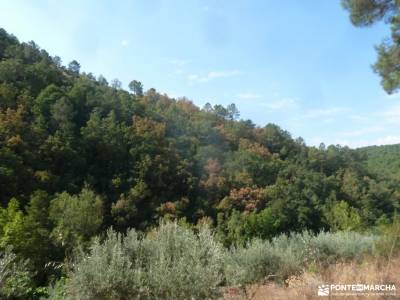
x=249, y=264
x=342, y=245
x=290, y=255
x=184, y=265
x=389, y=245
x=15, y=278
x=171, y=263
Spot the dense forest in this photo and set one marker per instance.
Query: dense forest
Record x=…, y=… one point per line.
x=383, y=160
x=80, y=155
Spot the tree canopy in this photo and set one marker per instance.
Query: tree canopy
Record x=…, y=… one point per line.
x=368, y=12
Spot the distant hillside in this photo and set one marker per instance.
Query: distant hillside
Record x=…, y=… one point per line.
x=383, y=160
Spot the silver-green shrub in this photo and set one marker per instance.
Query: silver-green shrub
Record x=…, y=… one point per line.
x=292, y=252
x=251, y=263
x=283, y=256
x=172, y=262
x=342, y=245
x=56, y=291
x=184, y=265
x=111, y=270
x=15, y=278
x=286, y=255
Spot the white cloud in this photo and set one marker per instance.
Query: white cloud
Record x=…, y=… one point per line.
x=352, y=143
x=213, y=75
x=395, y=96
x=373, y=128
x=387, y=140
x=222, y=74
x=328, y=120
x=248, y=96
x=192, y=77
x=178, y=62
x=324, y=112
x=359, y=118
x=393, y=111
x=360, y=142
x=124, y=43
x=281, y=104
x=391, y=114
x=360, y=132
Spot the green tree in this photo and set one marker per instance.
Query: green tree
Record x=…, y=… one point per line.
x=12, y=229
x=28, y=235
x=343, y=217
x=367, y=12
x=233, y=112
x=116, y=84
x=49, y=103
x=77, y=218
x=74, y=67
x=136, y=87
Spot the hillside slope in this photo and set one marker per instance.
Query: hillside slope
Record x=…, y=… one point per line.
x=79, y=155
x=383, y=160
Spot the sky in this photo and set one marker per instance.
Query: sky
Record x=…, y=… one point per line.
x=298, y=64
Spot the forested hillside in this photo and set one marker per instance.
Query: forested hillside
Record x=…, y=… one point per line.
x=79, y=155
x=383, y=160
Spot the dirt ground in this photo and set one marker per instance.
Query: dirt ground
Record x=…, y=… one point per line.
x=372, y=271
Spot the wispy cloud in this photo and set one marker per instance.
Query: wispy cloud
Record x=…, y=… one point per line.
x=387, y=140
x=391, y=114
x=178, y=62
x=395, y=96
x=193, y=77
x=281, y=104
x=213, y=75
x=352, y=143
x=248, y=96
x=359, y=118
x=221, y=74
x=325, y=112
x=361, y=132
x=178, y=66
x=356, y=143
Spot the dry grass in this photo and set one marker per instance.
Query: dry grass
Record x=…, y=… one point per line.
x=370, y=271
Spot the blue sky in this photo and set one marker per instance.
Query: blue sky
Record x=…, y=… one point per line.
x=299, y=64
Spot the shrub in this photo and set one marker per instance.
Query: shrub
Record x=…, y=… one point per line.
x=184, y=265
x=15, y=278
x=56, y=291
x=287, y=255
x=342, y=245
x=108, y=271
x=389, y=244
x=172, y=262
x=251, y=263
x=292, y=252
